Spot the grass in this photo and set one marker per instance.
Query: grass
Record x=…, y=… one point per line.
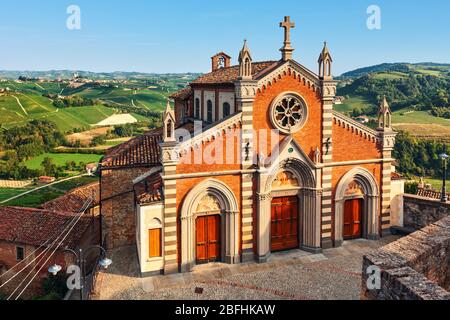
x=39, y=197
x=36, y=106
x=352, y=103
x=419, y=117
x=61, y=159
x=6, y=193
x=390, y=75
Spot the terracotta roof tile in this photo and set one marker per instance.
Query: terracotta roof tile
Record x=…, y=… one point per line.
x=37, y=226
x=74, y=200
x=142, y=150
x=150, y=189
x=230, y=74
x=182, y=94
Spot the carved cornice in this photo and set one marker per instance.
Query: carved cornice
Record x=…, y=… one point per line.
x=290, y=67
x=356, y=127
x=211, y=133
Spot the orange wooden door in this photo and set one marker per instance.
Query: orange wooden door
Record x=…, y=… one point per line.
x=284, y=224
x=208, y=239
x=352, y=218
x=155, y=243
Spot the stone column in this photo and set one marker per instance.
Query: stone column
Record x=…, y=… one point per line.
x=373, y=224
x=232, y=238
x=263, y=242
x=311, y=220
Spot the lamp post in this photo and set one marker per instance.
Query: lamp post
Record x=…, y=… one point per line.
x=80, y=258
x=444, y=158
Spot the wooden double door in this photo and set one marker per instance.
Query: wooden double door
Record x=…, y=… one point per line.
x=208, y=241
x=353, y=215
x=285, y=224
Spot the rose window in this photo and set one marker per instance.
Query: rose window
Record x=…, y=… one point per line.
x=289, y=113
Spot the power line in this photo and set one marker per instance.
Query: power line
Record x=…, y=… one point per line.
x=45, y=262
x=61, y=233
x=77, y=217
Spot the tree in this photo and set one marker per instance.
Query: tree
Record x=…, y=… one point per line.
x=48, y=166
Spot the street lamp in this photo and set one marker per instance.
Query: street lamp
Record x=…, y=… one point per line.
x=444, y=158
x=81, y=262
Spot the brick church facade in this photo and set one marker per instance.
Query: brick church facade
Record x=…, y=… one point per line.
x=251, y=160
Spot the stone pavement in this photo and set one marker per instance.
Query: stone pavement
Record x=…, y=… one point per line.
x=295, y=274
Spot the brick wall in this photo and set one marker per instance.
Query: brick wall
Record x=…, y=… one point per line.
x=414, y=267
x=419, y=212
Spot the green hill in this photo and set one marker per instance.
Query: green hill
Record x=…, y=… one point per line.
x=105, y=95
x=419, y=95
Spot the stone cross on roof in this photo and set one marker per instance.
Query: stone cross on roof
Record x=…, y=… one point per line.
x=287, y=49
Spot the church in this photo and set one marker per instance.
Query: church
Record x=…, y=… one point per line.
x=251, y=160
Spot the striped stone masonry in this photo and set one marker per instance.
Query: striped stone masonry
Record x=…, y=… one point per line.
x=386, y=192
x=327, y=157
x=247, y=181
x=170, y=222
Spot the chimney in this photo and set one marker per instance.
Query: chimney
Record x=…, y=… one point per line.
x=220, y=60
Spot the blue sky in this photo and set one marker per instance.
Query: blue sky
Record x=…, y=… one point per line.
x=181, y=36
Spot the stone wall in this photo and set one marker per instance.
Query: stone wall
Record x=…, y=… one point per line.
x=118, y=206
x=419, y=212
x=414, y=267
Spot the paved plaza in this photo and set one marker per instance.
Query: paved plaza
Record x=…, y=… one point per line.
x=333, y=274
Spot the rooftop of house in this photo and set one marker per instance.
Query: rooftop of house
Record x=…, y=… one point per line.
x=149, y=190
x=141, y=150
x=38, y=226
x=229, y=75
x=74, y=200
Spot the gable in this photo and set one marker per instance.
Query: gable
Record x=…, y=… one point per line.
x=309, y=136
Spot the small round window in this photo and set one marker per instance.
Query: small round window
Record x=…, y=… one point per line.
x=289, y=113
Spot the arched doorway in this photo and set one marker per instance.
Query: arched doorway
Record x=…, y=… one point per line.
x=208, y=230
x=288, y=209
x=209, y=226
x=285, y=215
x=356, y=207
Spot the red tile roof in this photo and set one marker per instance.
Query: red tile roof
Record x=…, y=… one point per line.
x=36, y=226
x=150, y=189
x=230, y=74
x=182, y=94
x=142, y=150
x=396, y=176
x=74, y=200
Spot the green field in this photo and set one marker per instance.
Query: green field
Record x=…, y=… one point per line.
x=25, y=101
x=6, y=193
x=390, y=75
x=61, y=159
x=352, y=103
x=41, y=196
x=418, y=117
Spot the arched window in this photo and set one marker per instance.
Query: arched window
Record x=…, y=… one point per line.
x=209, y=111
x=169, y=129
x=226, y=109
x=197, y=108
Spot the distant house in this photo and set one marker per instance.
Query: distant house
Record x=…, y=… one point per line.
x=46, y=179
x=27, y=232
x=339, y=99
x=362, y=119
x=91, y=168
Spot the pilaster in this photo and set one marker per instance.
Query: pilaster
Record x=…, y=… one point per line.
x=245, y=96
